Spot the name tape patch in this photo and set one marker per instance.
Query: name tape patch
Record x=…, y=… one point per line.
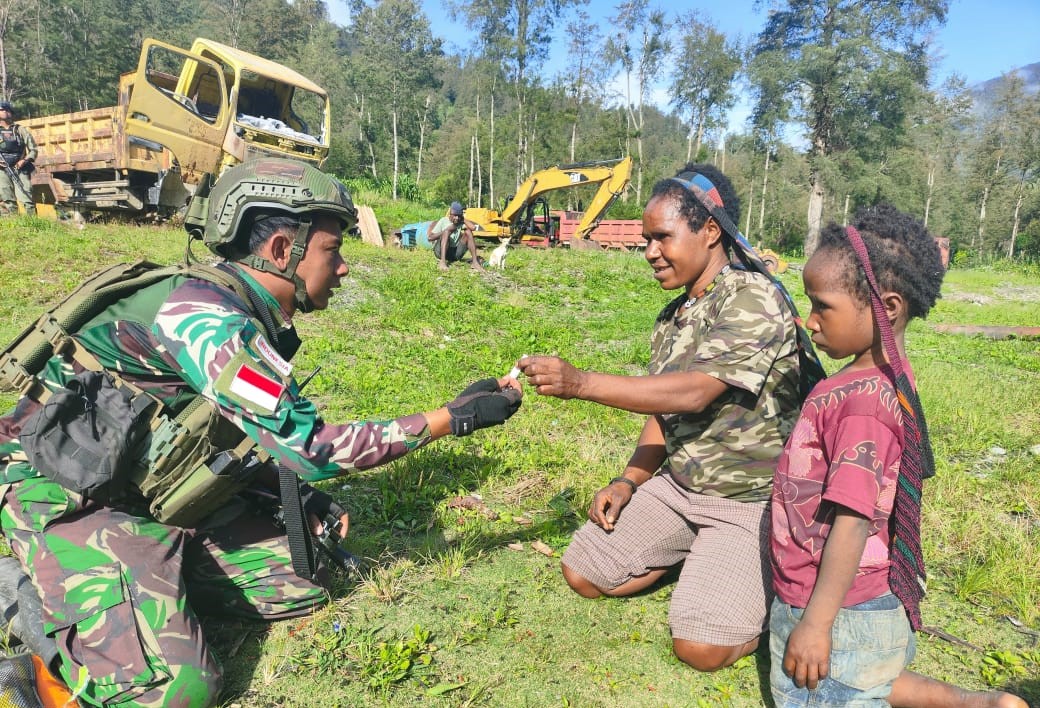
x=271, y=356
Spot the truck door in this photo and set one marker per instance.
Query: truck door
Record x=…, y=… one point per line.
x=179, y=101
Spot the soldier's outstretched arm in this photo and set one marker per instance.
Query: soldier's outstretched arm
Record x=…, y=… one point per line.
x=224, y=355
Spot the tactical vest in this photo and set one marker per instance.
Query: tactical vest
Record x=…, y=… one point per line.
x=195, y=460
x=11, y=144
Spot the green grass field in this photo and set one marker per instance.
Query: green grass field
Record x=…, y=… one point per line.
x=458, y=608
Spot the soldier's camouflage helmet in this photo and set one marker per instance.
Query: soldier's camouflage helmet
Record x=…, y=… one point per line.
x=227, y=209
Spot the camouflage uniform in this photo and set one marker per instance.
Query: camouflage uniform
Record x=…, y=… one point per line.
x=706, y=508
x=121, y=591
x=16, y=143
x=742, y=334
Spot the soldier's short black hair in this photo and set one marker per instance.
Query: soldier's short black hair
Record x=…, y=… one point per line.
x=689, y=205
x=903, y=255
x=266, y=226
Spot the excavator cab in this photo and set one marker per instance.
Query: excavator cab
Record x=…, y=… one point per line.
x=536, y=225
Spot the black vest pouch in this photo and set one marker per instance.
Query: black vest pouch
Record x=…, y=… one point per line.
x=90, y=435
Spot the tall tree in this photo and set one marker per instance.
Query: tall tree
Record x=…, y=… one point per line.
x=397, y=59
x=704, y=67
x=517, y=33
x=640, y=49
x=846, y=67
x=13, y=14
x=997, y=133
x=585, y=71
x=1024, y=161
x=940, y=126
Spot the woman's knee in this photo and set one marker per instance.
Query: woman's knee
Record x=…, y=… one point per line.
x=579, y=583
x=709, y=657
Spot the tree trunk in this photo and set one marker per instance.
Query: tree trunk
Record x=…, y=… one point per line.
x=845, y=211
x=928, y=198
x=762, y=201
x=982, y=207
x=1017, y=220
x=815, y=211
x=472, y=161
x=699, y=135
x=574, y=138
x=393, y=123
x=474, y=158
x=422, y=138
x=5, y=15
x=982, y=219
x=491, y=156
x=750, y=204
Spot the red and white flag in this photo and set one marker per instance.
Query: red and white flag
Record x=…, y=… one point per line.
x=259, y=389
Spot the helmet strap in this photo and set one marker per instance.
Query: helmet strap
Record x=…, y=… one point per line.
x=299, y=247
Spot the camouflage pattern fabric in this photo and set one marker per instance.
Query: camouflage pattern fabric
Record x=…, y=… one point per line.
x=743, y=334
x=107, y=575
x=10, y=193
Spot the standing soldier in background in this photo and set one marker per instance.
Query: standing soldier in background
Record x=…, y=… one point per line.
x=18, y=150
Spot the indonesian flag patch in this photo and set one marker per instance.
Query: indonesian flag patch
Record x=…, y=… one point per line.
x=254, y=387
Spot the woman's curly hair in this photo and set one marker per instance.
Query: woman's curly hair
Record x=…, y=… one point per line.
x=903, y=255
x=689, y=205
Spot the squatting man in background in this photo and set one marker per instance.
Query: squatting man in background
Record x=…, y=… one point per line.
x=18, y=151
x=120, y=589
x=451, y=237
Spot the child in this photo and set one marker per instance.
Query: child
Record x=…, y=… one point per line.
x=838, y=635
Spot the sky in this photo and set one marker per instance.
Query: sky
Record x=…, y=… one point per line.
x=981, y=39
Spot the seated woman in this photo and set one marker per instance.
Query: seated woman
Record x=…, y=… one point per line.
x=721, y=395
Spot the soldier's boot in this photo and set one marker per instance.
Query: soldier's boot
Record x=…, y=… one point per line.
x=21, y=612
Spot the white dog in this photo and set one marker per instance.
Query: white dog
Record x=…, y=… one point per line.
x=498, y=256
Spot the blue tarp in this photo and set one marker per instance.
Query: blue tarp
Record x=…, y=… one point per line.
x=413, y=235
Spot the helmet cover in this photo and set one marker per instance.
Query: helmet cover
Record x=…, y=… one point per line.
x=265, y=186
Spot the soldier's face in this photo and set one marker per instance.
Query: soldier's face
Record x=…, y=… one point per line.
x=840, y=323
x=322, y=265
x=678, y=255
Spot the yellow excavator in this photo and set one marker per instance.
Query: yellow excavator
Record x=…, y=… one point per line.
x=526, y=217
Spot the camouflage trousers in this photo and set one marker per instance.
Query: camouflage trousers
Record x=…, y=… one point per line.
x=11, y=193
x=122, y=593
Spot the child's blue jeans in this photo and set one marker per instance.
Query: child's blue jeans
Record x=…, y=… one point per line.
x=871, y=643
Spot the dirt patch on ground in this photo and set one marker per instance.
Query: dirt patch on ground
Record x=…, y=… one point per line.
x=1004, y=291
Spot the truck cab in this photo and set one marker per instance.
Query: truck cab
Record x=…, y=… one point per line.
x=182, y=114
x=225, y=106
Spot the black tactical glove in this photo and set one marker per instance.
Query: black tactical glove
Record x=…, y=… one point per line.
x=320, y=504
x=481, y=405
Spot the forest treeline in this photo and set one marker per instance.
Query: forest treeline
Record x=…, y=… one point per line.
x=845, y=109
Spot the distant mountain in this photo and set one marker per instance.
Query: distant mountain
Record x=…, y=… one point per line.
x=985, y=92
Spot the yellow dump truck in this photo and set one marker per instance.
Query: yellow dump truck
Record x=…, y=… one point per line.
x=180, y=115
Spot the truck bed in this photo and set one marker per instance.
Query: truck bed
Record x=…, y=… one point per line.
x=622, y=234
x=81, y=140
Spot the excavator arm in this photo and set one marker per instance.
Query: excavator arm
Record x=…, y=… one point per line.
x=612, y=176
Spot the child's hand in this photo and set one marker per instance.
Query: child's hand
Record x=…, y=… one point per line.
x=808, y=657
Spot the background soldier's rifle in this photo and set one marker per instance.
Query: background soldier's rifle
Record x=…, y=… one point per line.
x=15, y=179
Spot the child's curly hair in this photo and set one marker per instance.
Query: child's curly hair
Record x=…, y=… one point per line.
x=904, y=256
